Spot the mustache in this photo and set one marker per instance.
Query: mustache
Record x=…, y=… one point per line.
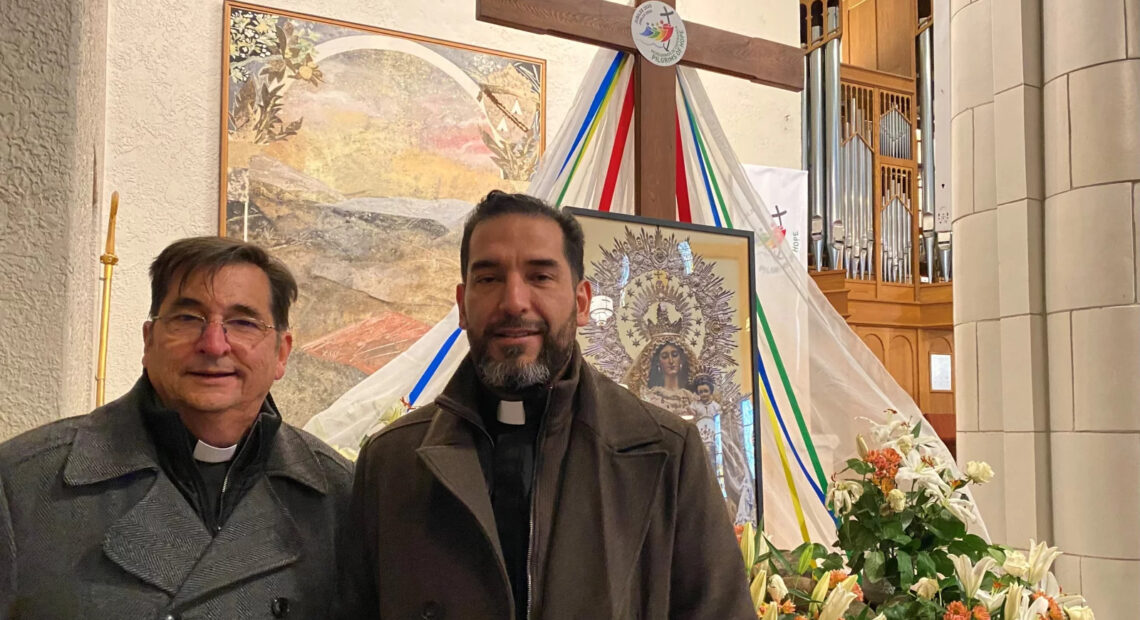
x=536, y=325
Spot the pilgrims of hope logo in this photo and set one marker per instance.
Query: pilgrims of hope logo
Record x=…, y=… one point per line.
x=658, y=33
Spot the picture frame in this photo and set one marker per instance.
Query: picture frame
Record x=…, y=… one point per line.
x=354, y=153
x=671, y=319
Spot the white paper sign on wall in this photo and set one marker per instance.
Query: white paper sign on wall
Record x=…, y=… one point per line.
x=784, y=190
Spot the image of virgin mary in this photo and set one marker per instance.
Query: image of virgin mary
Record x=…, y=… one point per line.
x=662, y=372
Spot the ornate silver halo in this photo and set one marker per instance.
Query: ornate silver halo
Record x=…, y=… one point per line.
x=659, y=289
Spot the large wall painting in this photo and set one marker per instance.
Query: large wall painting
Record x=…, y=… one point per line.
x=671, y=319
x=354, y=154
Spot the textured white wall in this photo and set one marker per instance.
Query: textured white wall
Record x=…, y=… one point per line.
x=163, y=75
x=52, y=64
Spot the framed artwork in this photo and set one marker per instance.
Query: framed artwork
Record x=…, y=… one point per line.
x=354, y=154
x=671, y=319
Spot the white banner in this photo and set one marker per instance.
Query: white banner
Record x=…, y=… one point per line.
x=785, y=192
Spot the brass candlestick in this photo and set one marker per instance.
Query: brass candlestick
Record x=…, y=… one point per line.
x=109, y=260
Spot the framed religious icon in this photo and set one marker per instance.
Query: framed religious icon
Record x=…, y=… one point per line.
x=355, y=154
x=671, y=319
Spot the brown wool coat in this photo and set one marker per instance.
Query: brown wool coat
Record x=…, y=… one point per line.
x=629, y=521
x=91, y=527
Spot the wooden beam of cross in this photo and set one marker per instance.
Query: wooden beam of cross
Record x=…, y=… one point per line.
x=607, y=24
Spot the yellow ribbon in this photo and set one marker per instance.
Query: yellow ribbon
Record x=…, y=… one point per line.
x=787, y=467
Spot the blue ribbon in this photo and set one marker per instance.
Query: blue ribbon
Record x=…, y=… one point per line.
x=784, y=428
x=433, y=366
x=700, y=157
x=594, y=105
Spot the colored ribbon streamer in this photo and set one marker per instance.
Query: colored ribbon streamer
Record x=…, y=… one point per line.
x=808, y=444
x=799, y=509
x=590, y=132
x=702, y=152
x=700, y=159
x=433, y=366
x=684, y=213
x=771, y=342
x=594, y=106
x=618, y=152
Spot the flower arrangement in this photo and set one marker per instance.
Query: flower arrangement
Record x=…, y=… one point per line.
x=904, y=552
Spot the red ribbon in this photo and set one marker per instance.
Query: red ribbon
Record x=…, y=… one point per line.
x=683, y=212
x=618, y=150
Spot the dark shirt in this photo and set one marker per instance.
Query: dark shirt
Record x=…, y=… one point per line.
x=511, y=482
x=213, y=490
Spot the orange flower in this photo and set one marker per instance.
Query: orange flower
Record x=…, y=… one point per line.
x=858, y=592
x=956, y=611
x=739, y=529
x=837, y=576
x=980, y=613
x=1054, y=608
x=886, y=463
x=788, y=607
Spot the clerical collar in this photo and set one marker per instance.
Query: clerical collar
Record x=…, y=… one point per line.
x=512, y=412
x=205, y=453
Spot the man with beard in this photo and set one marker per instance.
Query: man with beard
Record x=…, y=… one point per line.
x=534, y=487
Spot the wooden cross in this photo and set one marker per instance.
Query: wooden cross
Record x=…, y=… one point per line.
x=607, y=24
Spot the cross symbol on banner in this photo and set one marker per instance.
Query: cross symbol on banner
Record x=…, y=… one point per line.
x=779, y=215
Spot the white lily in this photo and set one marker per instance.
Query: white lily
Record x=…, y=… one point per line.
x=1052, y=589
x=961, y=508
x=772, y=612
x=971, y=575
x=1017, y=605
x=895, y=427
x=922, y=475
x=1041, y=558
x=992, y=601
x=836, y=604
x=843, y=495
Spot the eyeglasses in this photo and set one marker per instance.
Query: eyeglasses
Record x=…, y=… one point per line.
x=245, y=330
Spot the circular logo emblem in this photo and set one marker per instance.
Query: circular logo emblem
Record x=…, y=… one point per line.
x=658, y=33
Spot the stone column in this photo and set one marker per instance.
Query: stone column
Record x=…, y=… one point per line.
x=52, y=67
x=1091, y=65
x=1045, y=97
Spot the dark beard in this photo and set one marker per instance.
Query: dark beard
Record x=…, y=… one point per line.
x=509, y=376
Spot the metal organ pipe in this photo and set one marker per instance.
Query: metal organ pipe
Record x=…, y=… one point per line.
x=832, y=211
x=926, y=125
x=819, y=225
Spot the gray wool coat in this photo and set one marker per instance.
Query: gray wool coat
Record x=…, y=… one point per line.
x=91, y=527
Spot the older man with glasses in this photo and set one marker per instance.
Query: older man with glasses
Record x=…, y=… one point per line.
x=188, y=496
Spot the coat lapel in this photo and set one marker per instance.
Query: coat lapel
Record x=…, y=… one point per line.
x=259, y=537
x=619, y=475
x=457, y=468
x=160, y=539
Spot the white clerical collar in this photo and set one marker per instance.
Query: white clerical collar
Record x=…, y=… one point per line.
x=206, y=453
x=512, y=412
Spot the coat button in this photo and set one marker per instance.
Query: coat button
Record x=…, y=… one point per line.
x=432, y=611
x=279, y=607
